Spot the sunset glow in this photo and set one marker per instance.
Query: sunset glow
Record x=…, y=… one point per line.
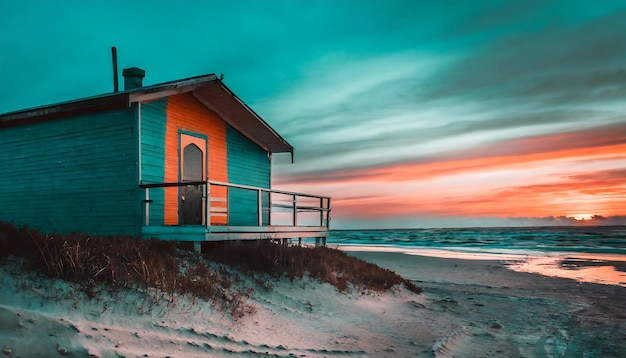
x=582, y=216
x=570, y=186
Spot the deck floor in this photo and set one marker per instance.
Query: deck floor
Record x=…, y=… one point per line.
x=225, y=233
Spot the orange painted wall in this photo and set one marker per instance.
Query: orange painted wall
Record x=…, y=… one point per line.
x=184, y=112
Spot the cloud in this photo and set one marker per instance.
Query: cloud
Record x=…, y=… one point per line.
x=580, y=196
x=551, y=64
x=519, y=80
x=607, y=177
x=572, y=183
x=594, y=144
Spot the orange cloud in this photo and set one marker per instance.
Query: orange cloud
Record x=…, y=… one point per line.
x=592, y=192
x=571, y=175
x=603, y=143
x=456, y=167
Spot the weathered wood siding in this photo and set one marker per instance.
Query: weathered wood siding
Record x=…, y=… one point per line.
x=231, y=158
x=248, y=164
x=185, y=113
x=73, y=174
x=153, y=120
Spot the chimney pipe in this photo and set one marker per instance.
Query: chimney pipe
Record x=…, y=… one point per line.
x=133, y=78
x=114, y=55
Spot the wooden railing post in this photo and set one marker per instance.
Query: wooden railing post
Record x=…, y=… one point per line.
x=147, y=206
x=328, y=213
x=259, y=207
x=207, y=204
x=227, y=205
x=321, y=211
x=295, y=211
x=269, y=208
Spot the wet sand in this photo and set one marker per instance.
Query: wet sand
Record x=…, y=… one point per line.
x=519, y=313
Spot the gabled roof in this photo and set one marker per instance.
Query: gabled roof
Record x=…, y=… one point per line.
x=208, y=89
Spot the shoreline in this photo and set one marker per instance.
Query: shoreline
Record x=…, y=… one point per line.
x=602, y=268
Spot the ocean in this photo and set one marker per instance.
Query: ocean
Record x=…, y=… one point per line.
x=584, y=253
x=597, y=239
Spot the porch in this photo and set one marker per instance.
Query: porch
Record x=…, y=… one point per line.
x=217, y=211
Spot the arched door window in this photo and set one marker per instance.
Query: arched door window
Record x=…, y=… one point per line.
x=192, y=166
x=192, y=169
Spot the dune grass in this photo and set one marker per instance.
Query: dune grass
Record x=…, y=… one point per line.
x=329, y=265
x=114, y=263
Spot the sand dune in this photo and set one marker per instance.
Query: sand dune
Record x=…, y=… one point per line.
x=475, y=308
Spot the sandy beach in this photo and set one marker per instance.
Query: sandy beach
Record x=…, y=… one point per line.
x=494, y=311
x=469, y=308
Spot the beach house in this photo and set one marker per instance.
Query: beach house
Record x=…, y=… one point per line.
x=184, y=160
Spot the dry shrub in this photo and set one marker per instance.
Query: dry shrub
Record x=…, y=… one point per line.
x=329, y=265
x=123, y=262
x=126, y=262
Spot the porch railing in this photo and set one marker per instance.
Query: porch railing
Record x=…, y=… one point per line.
x=272, y=207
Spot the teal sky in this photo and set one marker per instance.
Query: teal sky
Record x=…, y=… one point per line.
x=407, y=113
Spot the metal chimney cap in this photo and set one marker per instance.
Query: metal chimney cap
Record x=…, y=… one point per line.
x=133, y=78
x=134, y=71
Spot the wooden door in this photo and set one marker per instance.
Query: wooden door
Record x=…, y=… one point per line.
x=192, y=169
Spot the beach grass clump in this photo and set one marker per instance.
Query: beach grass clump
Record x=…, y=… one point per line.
x=117, y=262
x=329, y=265
x=161, y=269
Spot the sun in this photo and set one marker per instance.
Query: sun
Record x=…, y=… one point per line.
x=582, y=216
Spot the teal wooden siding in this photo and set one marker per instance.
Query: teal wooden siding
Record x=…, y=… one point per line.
x=73, y=174
x=153, y=121
x=248, y=164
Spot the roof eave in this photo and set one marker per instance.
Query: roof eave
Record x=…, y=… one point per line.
x=118, y=100
x=170, y=88
x=107, y=101
x=222, y=101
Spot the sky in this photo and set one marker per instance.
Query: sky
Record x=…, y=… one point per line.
x=407, y=113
